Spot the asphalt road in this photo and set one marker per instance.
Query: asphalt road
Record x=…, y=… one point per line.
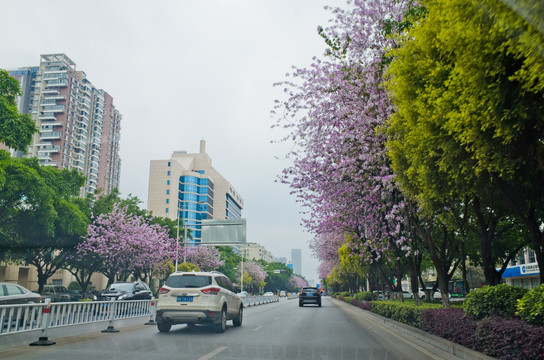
x=280, y=330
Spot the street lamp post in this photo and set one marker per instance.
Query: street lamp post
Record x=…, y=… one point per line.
x=184, y=240
x=177, y=240
x=242, y=274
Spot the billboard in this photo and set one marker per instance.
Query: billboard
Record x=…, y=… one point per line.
x=224, y=232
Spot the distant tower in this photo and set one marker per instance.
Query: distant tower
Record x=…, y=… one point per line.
x=296, y=259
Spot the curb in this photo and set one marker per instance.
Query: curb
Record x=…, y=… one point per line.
x=450, y=347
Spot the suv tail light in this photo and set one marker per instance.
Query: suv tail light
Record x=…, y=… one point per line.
x=163, y=291
x=211, y=291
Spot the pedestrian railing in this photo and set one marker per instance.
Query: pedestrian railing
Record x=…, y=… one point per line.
x=28, y=317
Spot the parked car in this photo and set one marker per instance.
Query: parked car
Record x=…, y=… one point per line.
x=378, y=294
x=137, y=290
x=269, y=293
x=309, y=295
x=434, y=295
x=75, y=295
x=57, y=293
x=198, y=298
x=16, y=294
x=11, y=294
x=243, y=294
x=283, y=293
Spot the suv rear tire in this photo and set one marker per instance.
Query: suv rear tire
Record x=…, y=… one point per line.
x=222, y=325
x=237, y=321
x=164, y=327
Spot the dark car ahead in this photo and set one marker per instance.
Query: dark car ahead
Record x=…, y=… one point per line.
x=309, y=295
x=137, y=290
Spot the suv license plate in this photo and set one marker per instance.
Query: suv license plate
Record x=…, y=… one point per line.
x=185, y=299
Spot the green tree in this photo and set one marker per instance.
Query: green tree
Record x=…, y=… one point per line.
x=467, y=85
x=25, y=200
x=48, y=251
x=16, y=129
x=277, y=276
x=231, y=262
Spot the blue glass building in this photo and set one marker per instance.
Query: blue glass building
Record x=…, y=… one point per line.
x=200, y=191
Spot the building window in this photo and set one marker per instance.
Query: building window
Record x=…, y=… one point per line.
x=169, y=163
x=167, y=210
x=167, y=192
x=521, y=257
x=168, y=201
x=168, y=172
x=167, y=182
x=532, y=257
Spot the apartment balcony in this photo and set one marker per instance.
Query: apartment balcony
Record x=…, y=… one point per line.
x=48, y=149
x=50, y=91
x=55, y=70
x=53, y=109
x=44, y=157
x=47, y=117
x=51, y=135
x=48, y=162
x=55, y=97
x=46, y=124
x=78, y=166
x=56, y=83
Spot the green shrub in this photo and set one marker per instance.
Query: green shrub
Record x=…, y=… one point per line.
x=531, y=306
x=344, y=293
x=364, y=295
x=348, y=299
x=407, y=313
x=493, y=300
x=74, y=285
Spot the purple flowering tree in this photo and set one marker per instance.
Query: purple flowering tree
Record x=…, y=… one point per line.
x=126, y=244
x=296, y=283
x=253, y=275
x=335, y=112
x=206, y=258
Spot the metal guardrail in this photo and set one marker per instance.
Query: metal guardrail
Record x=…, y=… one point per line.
x=29, y=317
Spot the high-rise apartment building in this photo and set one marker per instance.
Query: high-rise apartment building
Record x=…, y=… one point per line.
x=296, y=259
x=254, y=251
x=79, y=127
x=187, y=188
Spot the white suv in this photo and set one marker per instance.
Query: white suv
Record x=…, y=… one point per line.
x=198, y=298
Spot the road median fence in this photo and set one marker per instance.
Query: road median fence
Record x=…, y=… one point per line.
x=20, y=318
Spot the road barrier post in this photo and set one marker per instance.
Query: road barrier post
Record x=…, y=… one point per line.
x=152, y=310
x=112, y=306
x=43, y=340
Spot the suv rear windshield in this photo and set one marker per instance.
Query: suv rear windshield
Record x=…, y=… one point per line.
x=188, y=281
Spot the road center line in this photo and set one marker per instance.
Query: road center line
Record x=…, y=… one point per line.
x=213, y=353
x=258, y=328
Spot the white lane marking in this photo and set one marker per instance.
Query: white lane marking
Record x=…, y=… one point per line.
x=213, y=353
x=258, y=328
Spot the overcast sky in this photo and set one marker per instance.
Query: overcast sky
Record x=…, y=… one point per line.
x=182, y=71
